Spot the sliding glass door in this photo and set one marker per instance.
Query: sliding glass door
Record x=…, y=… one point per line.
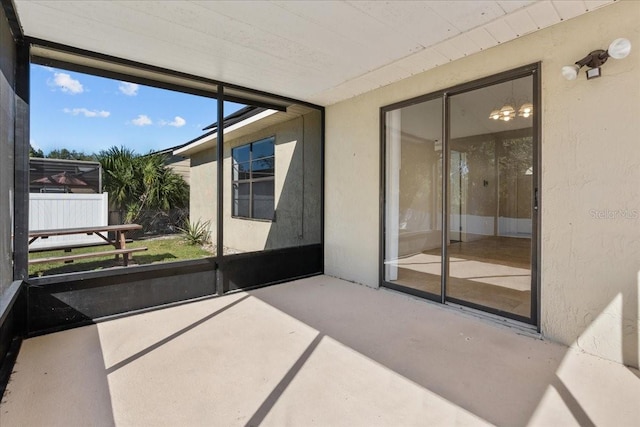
x=413, y=244
x=490, y=202
x=481, y=219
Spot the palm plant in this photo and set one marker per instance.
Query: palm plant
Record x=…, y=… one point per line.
x=121, y=176
x=196, y=233
x=138, y=183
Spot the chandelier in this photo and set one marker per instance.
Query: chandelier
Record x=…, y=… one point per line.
x=508, y=112
x=526, y=110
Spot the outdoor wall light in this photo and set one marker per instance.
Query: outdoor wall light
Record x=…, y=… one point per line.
x=618, y=49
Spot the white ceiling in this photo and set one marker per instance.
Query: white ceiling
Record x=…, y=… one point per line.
x=317, y=51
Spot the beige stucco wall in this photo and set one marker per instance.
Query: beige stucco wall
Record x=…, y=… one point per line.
x=181, y=166
x=202, y=191
x=297, y=188
x=590, y=167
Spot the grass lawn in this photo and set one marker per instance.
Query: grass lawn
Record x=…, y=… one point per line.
x=163, y=249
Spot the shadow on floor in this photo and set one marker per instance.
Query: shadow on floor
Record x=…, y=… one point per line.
x=315, y=351
x=489, y=370
x=67, y=384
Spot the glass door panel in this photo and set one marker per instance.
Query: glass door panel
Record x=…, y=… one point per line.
x=413, y=217
x=490, y=198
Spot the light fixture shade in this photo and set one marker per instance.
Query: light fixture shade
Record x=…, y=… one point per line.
x=570, y=72
x=525, y=110
x=507, y=112
x=619, y=48
x=494, y=115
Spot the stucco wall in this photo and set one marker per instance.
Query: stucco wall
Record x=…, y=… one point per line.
x=297, y=188
x=202, y=195
x=180, y=166
x=7, y=138
x=590, y=168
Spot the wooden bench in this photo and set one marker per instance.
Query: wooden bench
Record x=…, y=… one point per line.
x=69, y=247
x=119, y=243
x=67, y=258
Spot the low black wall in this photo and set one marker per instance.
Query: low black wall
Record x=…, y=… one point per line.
x=249, y=270
x=69, y=300
x=12, y=319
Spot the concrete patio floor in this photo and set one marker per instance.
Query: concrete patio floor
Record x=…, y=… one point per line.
x=318, y=351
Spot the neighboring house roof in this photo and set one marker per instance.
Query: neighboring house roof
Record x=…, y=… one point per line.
x=233, y=118
x=46, y=172
x=238, y=116
x=242, y=122
x=233, y=122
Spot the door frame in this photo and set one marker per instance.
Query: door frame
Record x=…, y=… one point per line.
x=533, y=70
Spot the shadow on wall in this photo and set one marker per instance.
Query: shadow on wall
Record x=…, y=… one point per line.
x=604, y=319
x=631, y=327
x=203, y=170
x=297, y=180
x=298, y=211
x=627, y=306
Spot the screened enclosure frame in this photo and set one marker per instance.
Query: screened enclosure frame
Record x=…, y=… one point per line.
x=148, y=287
x=444, y=95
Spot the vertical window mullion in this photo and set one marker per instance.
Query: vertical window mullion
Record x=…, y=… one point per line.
x=251, y=180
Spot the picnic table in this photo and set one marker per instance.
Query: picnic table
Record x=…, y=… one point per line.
x=119, y=242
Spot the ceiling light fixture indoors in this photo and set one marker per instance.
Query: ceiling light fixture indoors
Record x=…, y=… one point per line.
x=508, y=112
x=618, y=49
x=526, y=110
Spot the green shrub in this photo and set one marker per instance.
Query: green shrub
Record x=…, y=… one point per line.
x=196, y=233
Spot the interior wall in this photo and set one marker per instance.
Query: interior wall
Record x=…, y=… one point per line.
x=480, y=197
x=590, y=197
x=7, y=141
x=497, y=190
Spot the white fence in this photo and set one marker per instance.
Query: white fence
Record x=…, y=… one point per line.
x=67, y=210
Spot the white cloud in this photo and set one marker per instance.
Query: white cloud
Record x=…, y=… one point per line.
x=67, y=84
x=87, y=113
x=129, y=89
x=35, y=146
x=178, y=122
x=142, y=120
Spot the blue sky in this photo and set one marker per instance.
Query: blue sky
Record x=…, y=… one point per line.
x=87, y=113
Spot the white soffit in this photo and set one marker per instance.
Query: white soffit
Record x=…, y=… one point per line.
x=248, y=126
x=317, y=51
x=209, y=141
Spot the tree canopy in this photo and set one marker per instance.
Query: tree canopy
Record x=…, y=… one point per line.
x=65, y=154
x=61, y=153
x=35, y=153
x=141, y=182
